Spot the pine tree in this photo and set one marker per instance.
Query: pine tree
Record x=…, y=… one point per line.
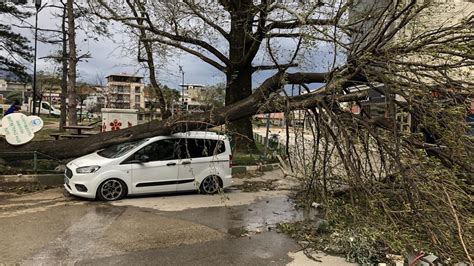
x=14, y=48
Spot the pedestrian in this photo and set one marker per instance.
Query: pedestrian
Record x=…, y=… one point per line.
x=15, y=107
x=274, y=140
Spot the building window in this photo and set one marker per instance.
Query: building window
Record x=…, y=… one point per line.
x=137, y=89
x=137, y=99
x=404, y=121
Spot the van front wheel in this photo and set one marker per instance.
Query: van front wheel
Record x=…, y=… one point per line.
x=111, y=189
x=210, y=185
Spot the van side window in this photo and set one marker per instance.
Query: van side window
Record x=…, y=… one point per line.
x=198, y=148
x=161, y=150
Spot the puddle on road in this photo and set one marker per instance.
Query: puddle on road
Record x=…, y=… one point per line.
x=258, y=217
x=266, y=214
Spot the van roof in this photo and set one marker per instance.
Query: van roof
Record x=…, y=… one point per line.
x=197, y=134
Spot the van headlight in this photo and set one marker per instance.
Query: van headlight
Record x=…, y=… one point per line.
x=87, y=169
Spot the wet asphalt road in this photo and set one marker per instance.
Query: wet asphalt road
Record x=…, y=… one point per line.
x=233, y=229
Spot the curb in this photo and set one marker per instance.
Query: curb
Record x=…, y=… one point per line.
x=254, y=168
x=45, y=179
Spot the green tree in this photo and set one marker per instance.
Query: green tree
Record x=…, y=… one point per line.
x=14, y=48
x=212, y=97
x=169, y=95
x=14, y=96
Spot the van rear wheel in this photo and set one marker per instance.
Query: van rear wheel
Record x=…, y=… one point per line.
x=111, y=189
x=210, y=185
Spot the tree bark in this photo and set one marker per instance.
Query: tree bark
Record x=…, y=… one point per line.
x=64, y=59
x=72, y=93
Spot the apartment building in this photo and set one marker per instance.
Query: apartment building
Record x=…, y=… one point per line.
x=190, y=95
x=11, y=82
x=125, y=91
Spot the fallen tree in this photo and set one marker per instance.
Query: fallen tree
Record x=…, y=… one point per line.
x=61, y=149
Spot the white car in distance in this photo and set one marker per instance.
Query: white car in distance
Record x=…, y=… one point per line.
x=180, y=162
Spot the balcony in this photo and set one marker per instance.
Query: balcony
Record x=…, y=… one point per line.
x=119, y=100
x=120, y=92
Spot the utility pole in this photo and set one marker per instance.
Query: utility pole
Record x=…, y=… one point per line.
x=182, y=87
x=38, y=9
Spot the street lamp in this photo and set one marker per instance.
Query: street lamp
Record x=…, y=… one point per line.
x=38, y=9
x=182, y=87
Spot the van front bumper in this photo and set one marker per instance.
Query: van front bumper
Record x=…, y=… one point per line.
x=80, y=186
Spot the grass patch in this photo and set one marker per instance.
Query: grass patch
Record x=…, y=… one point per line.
x=253, y=157
x=48, y=120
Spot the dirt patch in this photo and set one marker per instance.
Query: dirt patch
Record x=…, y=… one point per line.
x=247, y=175
x=253, y=186
x=23, y=187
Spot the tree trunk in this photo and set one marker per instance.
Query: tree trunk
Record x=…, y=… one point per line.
x=239, y=75
x=72, y=94
x=62, y=120
x=240, y=87
x=165, y=113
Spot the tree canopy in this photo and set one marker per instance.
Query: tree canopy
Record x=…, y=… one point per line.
x=14, y=97
x=230, y=36
x=15, y=51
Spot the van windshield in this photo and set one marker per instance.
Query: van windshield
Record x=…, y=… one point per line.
x=118, y=150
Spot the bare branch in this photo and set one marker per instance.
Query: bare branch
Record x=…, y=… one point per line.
x=194, y=8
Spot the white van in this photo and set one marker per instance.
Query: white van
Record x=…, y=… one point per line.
x=179, y=162
x=45, y=109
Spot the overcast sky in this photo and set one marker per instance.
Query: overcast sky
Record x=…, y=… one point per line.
x=108, y=57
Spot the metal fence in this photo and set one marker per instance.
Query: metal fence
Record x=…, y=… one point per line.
x=28, y=162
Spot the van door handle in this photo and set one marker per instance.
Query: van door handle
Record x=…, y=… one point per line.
x=186, y=162
x=170, y=164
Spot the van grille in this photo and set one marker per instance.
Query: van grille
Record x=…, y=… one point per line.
x=68, y=173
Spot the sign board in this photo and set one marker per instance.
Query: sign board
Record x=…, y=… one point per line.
x=116, y=119
x=19, y=129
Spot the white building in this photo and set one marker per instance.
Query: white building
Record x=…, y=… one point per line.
x=189, y=96
x=125, y=91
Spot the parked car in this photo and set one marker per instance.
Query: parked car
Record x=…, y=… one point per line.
x=179, y=162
